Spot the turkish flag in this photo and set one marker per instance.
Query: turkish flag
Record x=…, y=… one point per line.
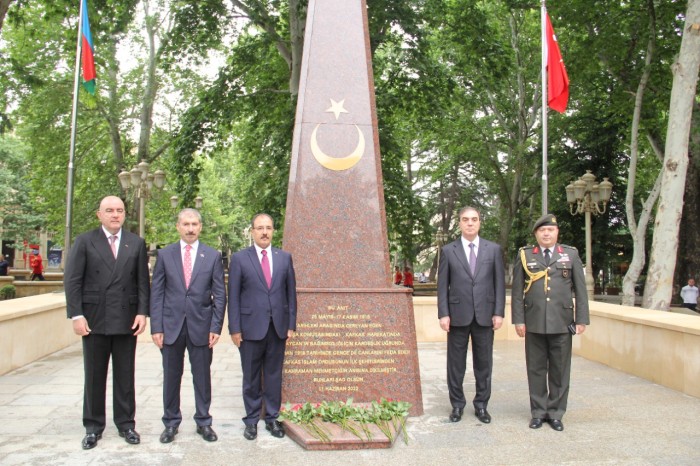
x=557, y=80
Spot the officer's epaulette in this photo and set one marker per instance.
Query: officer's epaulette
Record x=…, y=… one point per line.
x=529, y=246
x=566, y=246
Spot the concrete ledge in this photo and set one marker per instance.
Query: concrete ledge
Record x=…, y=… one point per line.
x=25, y=288
x=662, y=347
x=31, y=328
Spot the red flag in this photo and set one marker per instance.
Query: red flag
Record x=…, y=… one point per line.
x=557, y=80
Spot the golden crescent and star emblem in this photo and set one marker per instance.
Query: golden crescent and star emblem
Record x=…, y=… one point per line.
x=337, y=163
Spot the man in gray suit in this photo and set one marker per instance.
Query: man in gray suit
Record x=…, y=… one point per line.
x=106, y=283
x=546, y=279
x=188, y=298
x=262, y=315
x=471, y=302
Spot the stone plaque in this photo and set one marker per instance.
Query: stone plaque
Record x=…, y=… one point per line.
x=355, y=329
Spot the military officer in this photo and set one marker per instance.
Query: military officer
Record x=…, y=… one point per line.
x=546, y=279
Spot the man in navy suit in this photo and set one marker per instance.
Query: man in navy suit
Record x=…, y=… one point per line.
x=262, y=314
x=188, y=298
x=471, y=303
x=106, y=283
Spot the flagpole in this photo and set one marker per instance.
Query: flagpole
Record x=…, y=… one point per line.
x=544, y=108
x=74, y=124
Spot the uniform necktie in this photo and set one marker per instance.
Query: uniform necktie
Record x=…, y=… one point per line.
x=546, y=256
x=113, y=245
x=265, y=263
x=472, y=258
x=188, y=265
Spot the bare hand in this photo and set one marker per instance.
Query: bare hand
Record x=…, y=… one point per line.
x=213, y=339
x=139, y=325
x=580, y=328
x=497, y=322
x=80, y=327
x=158, y=339
x=445, y=323
x=290, y=333
x=237, y=339
x=520, y=330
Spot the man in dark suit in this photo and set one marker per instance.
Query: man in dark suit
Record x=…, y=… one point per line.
x=106, y=283
x=546, y=279
x=188, y=299
x=262, y=314
x=471, y=303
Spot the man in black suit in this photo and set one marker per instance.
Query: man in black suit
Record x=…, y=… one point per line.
x=262, y=314
x=188, y=299
x=106, y=283
x=471, y=304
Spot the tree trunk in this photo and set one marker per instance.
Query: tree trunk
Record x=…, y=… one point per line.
x=638, y=231
x=297, y=25
x=659, y=285
x=4, y=6
x=688, y=260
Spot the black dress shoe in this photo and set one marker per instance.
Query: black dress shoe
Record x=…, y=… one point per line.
x=483, y=415
x=168, y=435
x=535, y=423
x=131, y=436
x=207, y=433
x=456, y=414
x=90, y=441
x=250, y=432
x=556, y=424
x=275, y=428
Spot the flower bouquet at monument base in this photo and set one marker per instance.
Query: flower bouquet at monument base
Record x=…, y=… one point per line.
x=362, y=425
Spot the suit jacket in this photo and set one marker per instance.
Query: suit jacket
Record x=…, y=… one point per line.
x=464, y=297
x=251, y=304
x=108, y=292
x=550, y=311
x=202, y=304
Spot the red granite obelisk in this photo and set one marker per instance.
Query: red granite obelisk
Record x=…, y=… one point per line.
x=355, y=335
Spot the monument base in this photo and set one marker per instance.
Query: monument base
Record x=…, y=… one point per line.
x=339, y=439
x=355, y=344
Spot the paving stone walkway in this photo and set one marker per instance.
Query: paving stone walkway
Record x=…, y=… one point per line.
x=613, y=418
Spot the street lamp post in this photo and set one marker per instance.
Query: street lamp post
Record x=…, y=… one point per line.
x=585, y=196
x=143, y=182
x=198, y=202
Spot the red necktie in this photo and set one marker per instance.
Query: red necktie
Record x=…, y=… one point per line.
x=188, y=265
x=113, y=245
x=265, y=263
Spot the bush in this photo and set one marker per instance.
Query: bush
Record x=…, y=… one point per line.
x=8, y=292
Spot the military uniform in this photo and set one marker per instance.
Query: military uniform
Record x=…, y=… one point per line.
x=543, y=299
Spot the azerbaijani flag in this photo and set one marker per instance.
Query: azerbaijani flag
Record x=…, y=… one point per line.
x=558, y=81
x=87, y=53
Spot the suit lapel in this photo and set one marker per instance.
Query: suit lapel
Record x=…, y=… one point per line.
x=198, y=262
x=253, y=254
x=483, y=249
x=176, y=255
x=276, y=265
x=461, y=255
x=101, y=245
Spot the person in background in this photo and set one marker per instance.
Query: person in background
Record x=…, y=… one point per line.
x=397, y=275
x=4, y=266
x=36, y=263
x=407, y=277
x=689, y=293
